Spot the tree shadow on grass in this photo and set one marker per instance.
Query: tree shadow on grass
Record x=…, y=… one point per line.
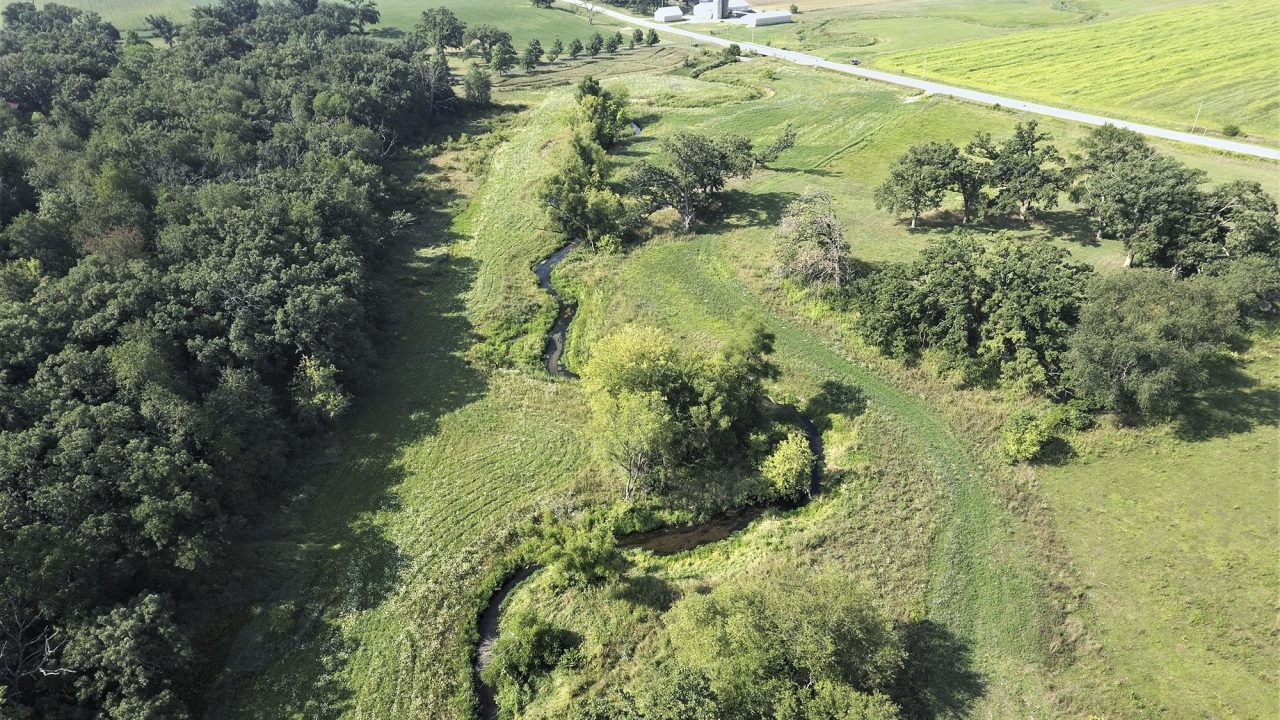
x=938, y=679
x=740, y=208
x=835, y=397
x=648, y=591
x=273, y=644
x=1236, y=403
x=1071, y=225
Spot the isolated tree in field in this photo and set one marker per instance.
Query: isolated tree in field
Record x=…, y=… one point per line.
x=602, y=113
x=484, y=38
x=614, y=42
x=918, y=180
x=781, y=144
x=532, y=55
x=1146, y=341
x=789, y=468
x=555, y=51
x=478, y=85
x=811, y=244
x=637, y=37
x=1026, y=171
x=651, y=37
x=699, y=168
x=163, y=27
x=365, y=13
x=575, y=48
x=595, y=44
x=442, y=29
x=504, y=57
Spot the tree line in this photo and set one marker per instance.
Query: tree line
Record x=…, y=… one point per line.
x=190, y=245
x=1018, y=312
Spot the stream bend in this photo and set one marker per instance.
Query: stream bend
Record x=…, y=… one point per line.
x=663, y=541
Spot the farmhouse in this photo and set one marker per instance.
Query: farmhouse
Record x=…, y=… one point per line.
x=668, y=14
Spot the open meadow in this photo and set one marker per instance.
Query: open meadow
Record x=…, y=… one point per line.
x=407, y=525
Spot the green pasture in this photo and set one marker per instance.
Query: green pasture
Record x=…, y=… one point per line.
x=1177, y=530
x=518, y=17
x=364, y=602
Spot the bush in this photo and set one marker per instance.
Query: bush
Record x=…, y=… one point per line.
x=1025, y=435
x=1231, y=130
x=790, y=467
x=527, y=647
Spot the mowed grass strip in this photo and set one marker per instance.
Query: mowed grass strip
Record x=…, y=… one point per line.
x=1156, y=67
x=411, y=520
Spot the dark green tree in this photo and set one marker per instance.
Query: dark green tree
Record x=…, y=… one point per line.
x=1146, y=341
x=699, y=168
x=555, y=51
x=918, y=180
x=1026, y=171
x=575, y=48
x=163, y=27
x=477, y=85
x=595, y=44
x=442, y=29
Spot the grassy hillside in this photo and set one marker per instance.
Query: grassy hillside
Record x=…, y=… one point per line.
x=696, y=287
x=1156, y=67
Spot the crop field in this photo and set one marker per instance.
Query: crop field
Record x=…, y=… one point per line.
x=1145, y=68
x=407, y=524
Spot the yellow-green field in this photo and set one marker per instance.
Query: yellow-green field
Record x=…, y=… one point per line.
x=1156, y=67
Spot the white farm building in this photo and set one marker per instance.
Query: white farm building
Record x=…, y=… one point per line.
x=668, y=14
x=777, y=17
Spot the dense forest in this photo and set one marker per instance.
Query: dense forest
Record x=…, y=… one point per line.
x=189, y=245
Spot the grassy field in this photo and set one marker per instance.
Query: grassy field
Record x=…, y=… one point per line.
x=696, y=288
x=366, y=599
x=1180, y=530
x=1156, y=67
x=518, y=17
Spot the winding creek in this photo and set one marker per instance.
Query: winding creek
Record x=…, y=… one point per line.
x=663, y=541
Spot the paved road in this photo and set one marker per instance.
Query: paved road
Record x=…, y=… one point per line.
x=940, y=89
